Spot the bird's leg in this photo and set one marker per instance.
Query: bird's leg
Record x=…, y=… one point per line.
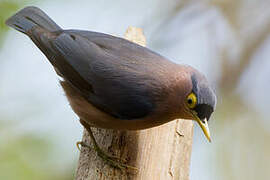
x=111, y=160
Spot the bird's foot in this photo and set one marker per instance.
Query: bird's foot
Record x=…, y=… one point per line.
x=113, y=161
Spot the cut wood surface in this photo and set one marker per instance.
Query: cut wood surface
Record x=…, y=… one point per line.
x=159, y=153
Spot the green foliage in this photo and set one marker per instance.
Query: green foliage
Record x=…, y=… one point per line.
x=28, y=157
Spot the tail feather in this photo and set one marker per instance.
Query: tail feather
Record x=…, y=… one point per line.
x=30, y=17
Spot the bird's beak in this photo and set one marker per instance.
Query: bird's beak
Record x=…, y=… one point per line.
x=203, y=124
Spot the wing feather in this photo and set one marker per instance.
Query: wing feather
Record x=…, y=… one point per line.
x=116, y=70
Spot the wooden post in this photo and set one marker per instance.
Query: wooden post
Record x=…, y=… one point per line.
x=159, y=153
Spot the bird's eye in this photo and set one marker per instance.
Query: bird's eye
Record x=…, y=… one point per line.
x=191, y=100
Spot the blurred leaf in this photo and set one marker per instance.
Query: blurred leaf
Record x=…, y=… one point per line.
x=28, y=157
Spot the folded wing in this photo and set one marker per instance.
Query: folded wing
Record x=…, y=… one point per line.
x=113, y=74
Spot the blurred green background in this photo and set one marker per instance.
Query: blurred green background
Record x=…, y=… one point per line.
x=228, y=40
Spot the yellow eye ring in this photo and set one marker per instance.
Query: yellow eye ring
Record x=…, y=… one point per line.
x=191, y=100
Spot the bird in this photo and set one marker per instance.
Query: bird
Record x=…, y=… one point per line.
x=113, y=83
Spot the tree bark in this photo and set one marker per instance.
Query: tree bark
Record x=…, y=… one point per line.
x=159, y=153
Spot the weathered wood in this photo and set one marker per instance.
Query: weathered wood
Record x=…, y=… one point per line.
x=159, y=153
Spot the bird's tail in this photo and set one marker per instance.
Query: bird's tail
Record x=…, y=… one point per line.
x=28, y=18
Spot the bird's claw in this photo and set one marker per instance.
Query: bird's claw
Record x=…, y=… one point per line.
x=113, y=161
x=81, y=143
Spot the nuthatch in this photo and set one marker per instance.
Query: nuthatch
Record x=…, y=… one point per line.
x=113, y=83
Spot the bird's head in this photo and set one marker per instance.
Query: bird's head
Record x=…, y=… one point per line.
x=199, y=100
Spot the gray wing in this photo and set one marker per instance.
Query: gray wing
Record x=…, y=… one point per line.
x=115, y=75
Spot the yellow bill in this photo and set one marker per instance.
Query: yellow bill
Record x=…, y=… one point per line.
x=203, y=124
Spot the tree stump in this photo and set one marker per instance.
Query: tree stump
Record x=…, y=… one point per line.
x=159, y=153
